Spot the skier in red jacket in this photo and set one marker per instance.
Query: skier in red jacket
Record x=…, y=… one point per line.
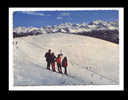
x=58, y=60
x=65, y=64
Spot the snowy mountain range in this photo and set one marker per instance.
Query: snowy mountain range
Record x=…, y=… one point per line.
x=92, y=28
x=69, y=27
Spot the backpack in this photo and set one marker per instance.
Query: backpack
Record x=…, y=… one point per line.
x=58, y=60
x=64, y=63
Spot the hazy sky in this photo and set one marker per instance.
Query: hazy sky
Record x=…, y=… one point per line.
x=44, y=18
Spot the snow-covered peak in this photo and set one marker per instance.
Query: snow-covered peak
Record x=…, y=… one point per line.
x=69, y=27
x=97, y=22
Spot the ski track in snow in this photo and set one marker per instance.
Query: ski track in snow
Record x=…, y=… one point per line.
x=30, y=65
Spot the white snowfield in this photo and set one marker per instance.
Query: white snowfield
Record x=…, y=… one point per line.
x=91, y=61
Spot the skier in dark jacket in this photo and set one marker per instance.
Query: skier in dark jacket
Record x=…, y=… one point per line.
x=58, y=61
x=48, y=58
x=53, y=59
x=65, y=64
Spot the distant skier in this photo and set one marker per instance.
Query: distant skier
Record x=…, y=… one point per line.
x=16, y=42
x=53, y=59
x=58, y=60
x=65, y=64
x=48, y=58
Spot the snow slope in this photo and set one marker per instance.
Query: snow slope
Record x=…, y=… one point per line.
x=91, y=60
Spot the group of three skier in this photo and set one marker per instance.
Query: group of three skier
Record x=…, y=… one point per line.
x=51, y=59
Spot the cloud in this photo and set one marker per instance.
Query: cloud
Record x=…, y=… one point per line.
x=65, y=14
x=59, y=18
x=61, y=15
x=33, y=13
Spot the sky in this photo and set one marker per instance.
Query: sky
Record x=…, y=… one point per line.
x=45, y=18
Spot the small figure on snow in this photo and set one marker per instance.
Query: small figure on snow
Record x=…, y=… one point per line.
x=48, y=58
x=65, y=64
x=58, y=60
x=53, y=59
x=16, y=42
